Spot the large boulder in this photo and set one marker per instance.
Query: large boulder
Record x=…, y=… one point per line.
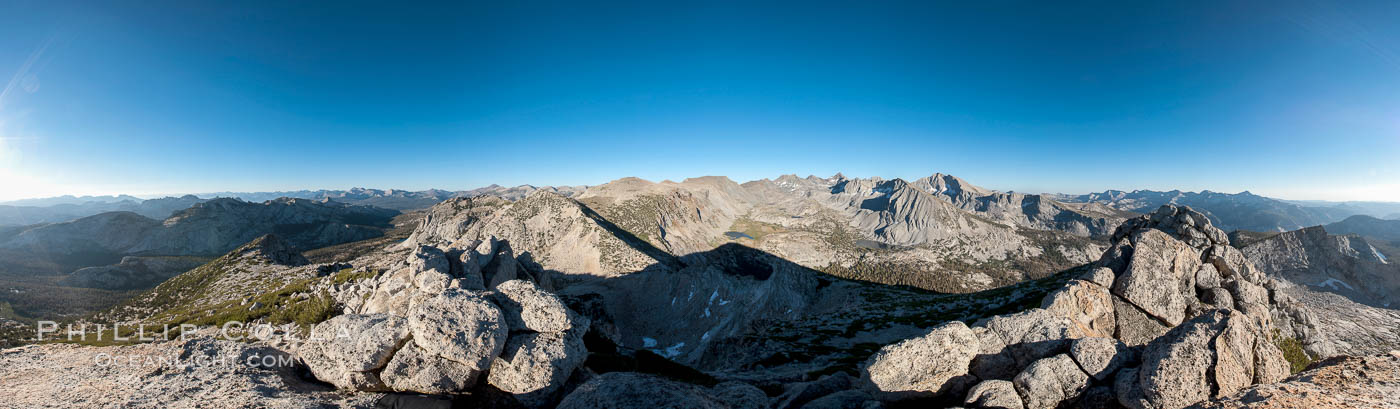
x=992, y=360
x=534, y=366
x=526, y=307
x=1175, y=368
x=1050, y=381
x=1160, y=276
x=348, y=350
x=414, y=370
x=1032, y=334
x=1100, y=357
x=1087, y=305
x=1211, y=356
x=460, y=326
x=925, y=366
x=1135, y=327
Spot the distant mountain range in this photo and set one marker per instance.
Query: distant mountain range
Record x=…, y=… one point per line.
x=1240, y=211
x=62, y=209
x=1237, y=211
x=65, y=208
x=206, y=229
x=399, y=199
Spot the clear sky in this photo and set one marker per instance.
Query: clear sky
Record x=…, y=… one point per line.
x=1292, y=99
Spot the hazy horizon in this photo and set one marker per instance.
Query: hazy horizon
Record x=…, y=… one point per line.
x=209, y=193
x=1294, y=100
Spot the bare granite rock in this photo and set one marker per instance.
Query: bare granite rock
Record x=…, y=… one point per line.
x=348, y=350
x=994, y=394
x=923, y=366
x=1050, y=381
x=535, y=366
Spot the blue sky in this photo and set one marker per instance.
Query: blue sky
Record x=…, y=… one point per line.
x=1292, y=99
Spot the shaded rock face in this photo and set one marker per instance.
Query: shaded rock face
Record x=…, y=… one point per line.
x=1170, y=316
x=418, y=330
x=565, y=235
x=625, y=390
x=1350, y=266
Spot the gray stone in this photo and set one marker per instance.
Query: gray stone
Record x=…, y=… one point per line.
x=1033, y=334
x=1087, y=305
x=1234, y=356
x=534, y=366
x=1103, y=276
x=1100, y=357
x=1159, y=276
x=527, y=307
x=1175, y=367
x=344, y=350
x=994, y=394
x=1048, y=382
x=460, y=326
x=417, y=371
x=1134, y=326
x=992, y=360
x=1207, y=277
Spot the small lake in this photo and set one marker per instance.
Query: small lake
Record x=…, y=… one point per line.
x=872, y=244
x=734, y=235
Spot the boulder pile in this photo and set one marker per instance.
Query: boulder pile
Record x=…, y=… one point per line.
x=1170, y=316
x=445, y=321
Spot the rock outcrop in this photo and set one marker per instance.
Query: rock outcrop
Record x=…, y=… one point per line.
x=1170, y=316
x=1336, y=383
x=432, y=326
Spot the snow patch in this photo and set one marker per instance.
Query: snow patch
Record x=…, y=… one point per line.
x=1332, y=283
x=1379, y=255
x=705, y=337
x=673, y=351
x=648, y=342
x=713, y=295
x=707, y=312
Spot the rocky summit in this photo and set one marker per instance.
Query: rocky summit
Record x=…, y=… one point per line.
x=789, y=293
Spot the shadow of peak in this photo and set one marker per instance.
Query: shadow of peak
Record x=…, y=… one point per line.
x=631, y=240
x=740, y=260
